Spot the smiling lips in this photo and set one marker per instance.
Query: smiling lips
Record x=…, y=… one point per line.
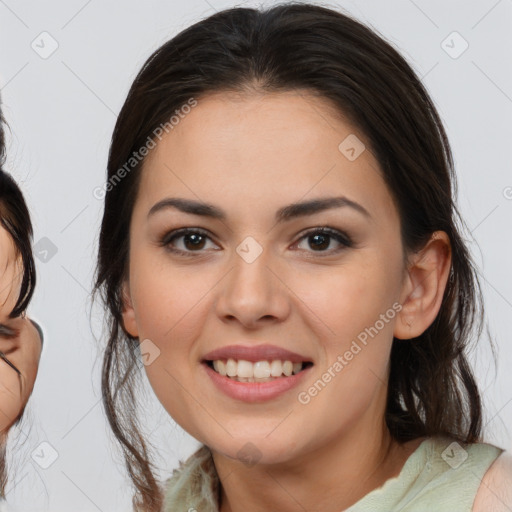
x=255, y=353
x=254, y=373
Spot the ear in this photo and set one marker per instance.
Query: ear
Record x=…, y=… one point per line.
x=128, y=313
x=424, y=286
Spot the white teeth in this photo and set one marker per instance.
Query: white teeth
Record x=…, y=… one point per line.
x=245, y=369
x=261, y=371
x=231, y=368
x=276, y=368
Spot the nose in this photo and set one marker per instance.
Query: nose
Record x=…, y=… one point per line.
x=252, y=293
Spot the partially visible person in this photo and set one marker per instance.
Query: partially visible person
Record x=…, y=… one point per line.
x=21, y=338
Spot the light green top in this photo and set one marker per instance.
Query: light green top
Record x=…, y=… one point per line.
x=440, y=475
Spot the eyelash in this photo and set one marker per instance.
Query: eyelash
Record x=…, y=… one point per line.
x=340, y=237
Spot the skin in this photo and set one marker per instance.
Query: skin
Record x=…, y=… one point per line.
x=251, y=156
x=23, y=350
x=11, y=272
x=495, y=491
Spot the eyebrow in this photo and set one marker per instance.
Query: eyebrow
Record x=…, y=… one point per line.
x=284, y=214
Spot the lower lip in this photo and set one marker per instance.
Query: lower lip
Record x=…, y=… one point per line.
x=254, y=391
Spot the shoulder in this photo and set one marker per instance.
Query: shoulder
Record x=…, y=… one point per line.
x=495, y=491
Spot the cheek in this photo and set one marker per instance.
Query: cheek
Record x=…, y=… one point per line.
x=171, y=306
x=171, y=313
x=344, y=301
x=10, y=400
x=166, y=299
x=31, y=374
x=10, y=286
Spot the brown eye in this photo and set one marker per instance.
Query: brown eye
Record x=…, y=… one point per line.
x=320, y=239
x=194, y=240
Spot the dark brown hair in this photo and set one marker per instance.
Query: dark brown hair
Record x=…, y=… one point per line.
x=15, y=218
x=313, y=49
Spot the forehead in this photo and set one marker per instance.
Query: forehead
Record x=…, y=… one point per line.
x=265, y=148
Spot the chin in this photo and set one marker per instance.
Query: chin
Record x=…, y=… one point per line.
x=251, y=450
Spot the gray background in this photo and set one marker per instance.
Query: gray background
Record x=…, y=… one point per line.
x=62, y=111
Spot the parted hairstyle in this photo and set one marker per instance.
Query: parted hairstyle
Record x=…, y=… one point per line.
x=321, y=51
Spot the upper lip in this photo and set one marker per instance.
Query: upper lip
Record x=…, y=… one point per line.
x=254, y=353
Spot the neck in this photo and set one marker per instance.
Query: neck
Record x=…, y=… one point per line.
x=330, y=478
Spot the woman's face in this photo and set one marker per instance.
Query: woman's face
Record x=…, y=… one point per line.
x=19, y=339
x=252, y=279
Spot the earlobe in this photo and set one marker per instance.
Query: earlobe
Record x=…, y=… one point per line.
x=424, y=287
x=128, y=313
